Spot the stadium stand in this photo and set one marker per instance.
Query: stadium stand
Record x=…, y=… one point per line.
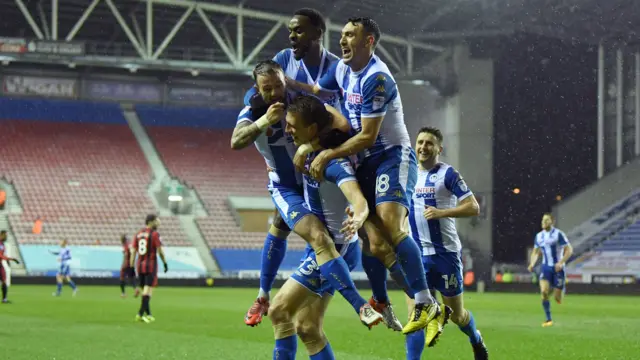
x=77, y=166
x=605, y=224
x=201, y=156
x=625, y=240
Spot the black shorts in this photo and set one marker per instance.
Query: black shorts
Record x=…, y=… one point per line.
x=127, y=272
x=150, y=279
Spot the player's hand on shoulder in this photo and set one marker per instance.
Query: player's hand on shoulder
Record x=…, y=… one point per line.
x=300, y=159
x=275, y=113
x=432, y=213
x=319, y=164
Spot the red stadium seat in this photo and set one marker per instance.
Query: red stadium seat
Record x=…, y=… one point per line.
x=203, y=159
x=88, y=181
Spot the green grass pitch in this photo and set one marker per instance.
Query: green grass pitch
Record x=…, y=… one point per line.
x=207, y=323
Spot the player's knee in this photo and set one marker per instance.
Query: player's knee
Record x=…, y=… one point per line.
x=545, y=295
x=308, y=331
x=280, y=224
x=460, y=318
x=383, y=252
x=279, y=312
x=318, y=237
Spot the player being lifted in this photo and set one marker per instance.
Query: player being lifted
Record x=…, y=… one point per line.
x=278, y=149
x=3, y=274
x=64, y=271
x=306, y=60
x=440, y=196
x=305, y=296
x=147, y=245
x=387, y=168
x=556, y=251
x=126, y=270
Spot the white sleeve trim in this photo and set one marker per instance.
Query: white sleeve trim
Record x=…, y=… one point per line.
x=325, y=89
x=347, y=179
x=373, y=115
x=244, y=120
x=465, y=196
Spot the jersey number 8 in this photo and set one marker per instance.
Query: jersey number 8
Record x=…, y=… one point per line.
x=382, y=183
x=142, y=246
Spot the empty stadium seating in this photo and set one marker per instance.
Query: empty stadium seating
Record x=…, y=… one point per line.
x=626, y=240
x=87, y=180
x=203, y=159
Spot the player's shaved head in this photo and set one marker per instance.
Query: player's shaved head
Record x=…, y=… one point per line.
x=433, y=131
x=315, y=18
x=369, y=26
x=267, y=67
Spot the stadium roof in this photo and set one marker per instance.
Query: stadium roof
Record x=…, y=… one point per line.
x=416, y=31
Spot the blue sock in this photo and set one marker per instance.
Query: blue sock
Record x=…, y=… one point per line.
x=286, y=348
x=272, y=255
x=470, y=330
x=547, y=309
x=325, y=354
x=72, y=284
x=59, y=287
x=377, y=275
x=414, y=344
x=401, y=280
x=411, y=262
x=337, y=274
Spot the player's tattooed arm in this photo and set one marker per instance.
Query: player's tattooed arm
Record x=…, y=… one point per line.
x=244, y=135
x=246, y=132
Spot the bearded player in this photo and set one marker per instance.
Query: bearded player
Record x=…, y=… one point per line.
x=285, y=185
x=306, y=61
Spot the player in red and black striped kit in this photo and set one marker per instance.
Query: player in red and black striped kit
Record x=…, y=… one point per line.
x=147, y=246
x=126, y=270
x=3, y=274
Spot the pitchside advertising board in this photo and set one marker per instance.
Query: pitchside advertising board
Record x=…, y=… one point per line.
x=40, y=86
x=606, y=267
x=219, y=95
x=105, y=261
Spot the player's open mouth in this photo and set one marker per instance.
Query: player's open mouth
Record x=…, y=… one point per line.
x=295, y=48
x=346, y=52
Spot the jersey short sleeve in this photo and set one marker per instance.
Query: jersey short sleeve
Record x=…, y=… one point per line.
x=454, y=183
x=562, y=239
x=378, y=91
x=245, y=115
x=283, y=58
x=339, y=171
x=535, y=242
x=328, y=81
x=248, y=95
